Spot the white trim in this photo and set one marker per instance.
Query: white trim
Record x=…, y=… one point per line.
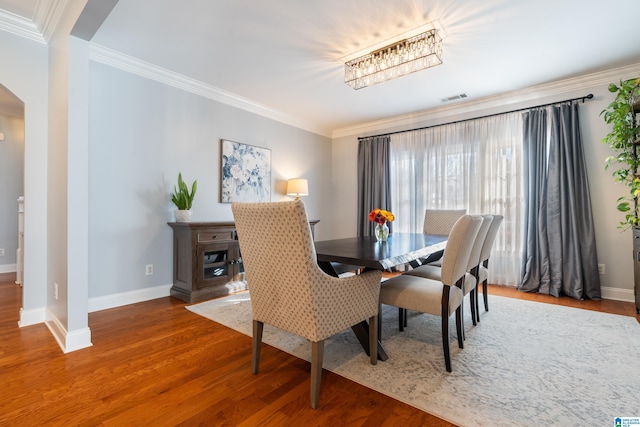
x=40, y=27
x=617, y=294
x=77, y=340
x=68, y=341
x=8, y=268
x=145, y=69
x=502, y=100
x=20, y=26
x=47, y=16
x=31, y=317
x=126, y=298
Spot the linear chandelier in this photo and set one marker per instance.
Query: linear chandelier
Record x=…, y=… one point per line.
x=398, y=59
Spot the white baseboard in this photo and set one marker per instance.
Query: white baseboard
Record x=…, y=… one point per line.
x=68, y=341
x=617, y=294
x=130, y=297
x=31, y=317
x=7, y=268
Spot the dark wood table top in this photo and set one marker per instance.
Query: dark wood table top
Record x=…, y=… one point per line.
x=365, y=251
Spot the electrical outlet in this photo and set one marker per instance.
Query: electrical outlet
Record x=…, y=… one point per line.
x=149, y=269
x=55, y=290
x=1, y=251
x=601, y=268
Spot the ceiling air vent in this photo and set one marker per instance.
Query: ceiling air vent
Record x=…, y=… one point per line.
x=454, y=97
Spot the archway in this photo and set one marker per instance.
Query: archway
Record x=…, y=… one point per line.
x=11, y=181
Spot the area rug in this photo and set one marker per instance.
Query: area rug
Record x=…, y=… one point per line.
x=525, y=364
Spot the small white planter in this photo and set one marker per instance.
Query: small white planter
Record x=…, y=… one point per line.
x=183, y=215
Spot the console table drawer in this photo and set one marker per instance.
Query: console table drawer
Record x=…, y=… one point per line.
x=214, y=236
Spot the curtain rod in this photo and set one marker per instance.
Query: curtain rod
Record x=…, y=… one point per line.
x=580, y=98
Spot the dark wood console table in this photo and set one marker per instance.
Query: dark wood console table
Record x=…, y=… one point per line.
x=206, y=260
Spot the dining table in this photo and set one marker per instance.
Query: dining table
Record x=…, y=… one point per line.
x=366, y=252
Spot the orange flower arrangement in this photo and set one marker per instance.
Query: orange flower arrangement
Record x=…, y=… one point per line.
x=380, y=216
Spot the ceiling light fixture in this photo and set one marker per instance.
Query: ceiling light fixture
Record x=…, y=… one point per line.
x=398, y=59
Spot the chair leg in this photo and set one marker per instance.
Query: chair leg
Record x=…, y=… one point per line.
x=459, y=327
x=401, y=319
x=473, y=302
x=462, y=321
x=478, y=304
x=485, y=295
x=317, y=354
x=445, y=328
x=258, y=327
x=373, y=339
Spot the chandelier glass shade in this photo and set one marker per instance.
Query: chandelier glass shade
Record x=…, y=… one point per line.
x=398, y=59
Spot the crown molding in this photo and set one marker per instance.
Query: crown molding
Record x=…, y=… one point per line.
x=40, y=28
x=20, y=26
x=506, y=99
x=47, y=16
x=141, y=68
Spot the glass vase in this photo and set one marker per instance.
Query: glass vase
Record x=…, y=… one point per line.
x=382, y=232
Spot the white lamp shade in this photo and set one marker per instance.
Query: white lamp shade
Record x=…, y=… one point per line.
x=297, y=187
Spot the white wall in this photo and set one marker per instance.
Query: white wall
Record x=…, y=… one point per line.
x=141, y=134
x=11, y=187
x=24, y=72
x=614, y=247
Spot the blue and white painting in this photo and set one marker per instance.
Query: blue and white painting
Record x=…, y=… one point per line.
x=246, y=173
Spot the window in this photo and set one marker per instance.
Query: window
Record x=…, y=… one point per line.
x=474, y=165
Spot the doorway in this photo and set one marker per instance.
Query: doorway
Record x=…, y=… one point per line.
x=11, y=182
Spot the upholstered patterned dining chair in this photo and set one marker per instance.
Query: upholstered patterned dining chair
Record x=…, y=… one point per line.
x=438, y=297
x=440, y=222
x=289, y=291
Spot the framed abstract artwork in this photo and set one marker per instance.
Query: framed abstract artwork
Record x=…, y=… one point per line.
x=245, y=173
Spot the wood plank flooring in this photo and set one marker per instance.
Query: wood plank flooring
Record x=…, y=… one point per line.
x=155, y=363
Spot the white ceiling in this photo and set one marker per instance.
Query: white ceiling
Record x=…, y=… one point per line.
x=285, y=54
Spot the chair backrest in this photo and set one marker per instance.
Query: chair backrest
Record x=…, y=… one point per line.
x=485, y=252
x=440, y=221
x=280, y=262
x=478, y=242
x=458, y=249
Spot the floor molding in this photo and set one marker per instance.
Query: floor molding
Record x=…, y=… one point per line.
x=126, y=298
x=617, y=294
x=68, y=341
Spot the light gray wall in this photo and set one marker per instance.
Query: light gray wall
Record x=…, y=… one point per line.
x=141, y=134
x=613, y=246
x=11, y=186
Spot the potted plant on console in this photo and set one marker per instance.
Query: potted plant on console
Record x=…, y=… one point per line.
x=183, y=199
x=624, y=140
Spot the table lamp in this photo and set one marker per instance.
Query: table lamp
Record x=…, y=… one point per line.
x=297, y=187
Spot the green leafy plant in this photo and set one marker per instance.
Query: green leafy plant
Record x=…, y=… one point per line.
x=181, y=197
x=623, y=140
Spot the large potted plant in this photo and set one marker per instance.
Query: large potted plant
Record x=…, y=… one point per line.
x=183, y=199
x=624, y=139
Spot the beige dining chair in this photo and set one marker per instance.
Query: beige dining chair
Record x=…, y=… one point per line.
x=289, y=291
x=438, y=297
x=485, y=253
x=440, y=222
x=470, y=288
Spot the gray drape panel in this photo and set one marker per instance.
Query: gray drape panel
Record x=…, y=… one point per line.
x=560, y=246
x=535, y=259
x=374, y=182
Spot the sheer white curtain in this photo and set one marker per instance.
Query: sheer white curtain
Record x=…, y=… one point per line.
x=474, y=165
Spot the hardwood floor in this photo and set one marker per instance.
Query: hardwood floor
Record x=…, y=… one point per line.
x=155, y=363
